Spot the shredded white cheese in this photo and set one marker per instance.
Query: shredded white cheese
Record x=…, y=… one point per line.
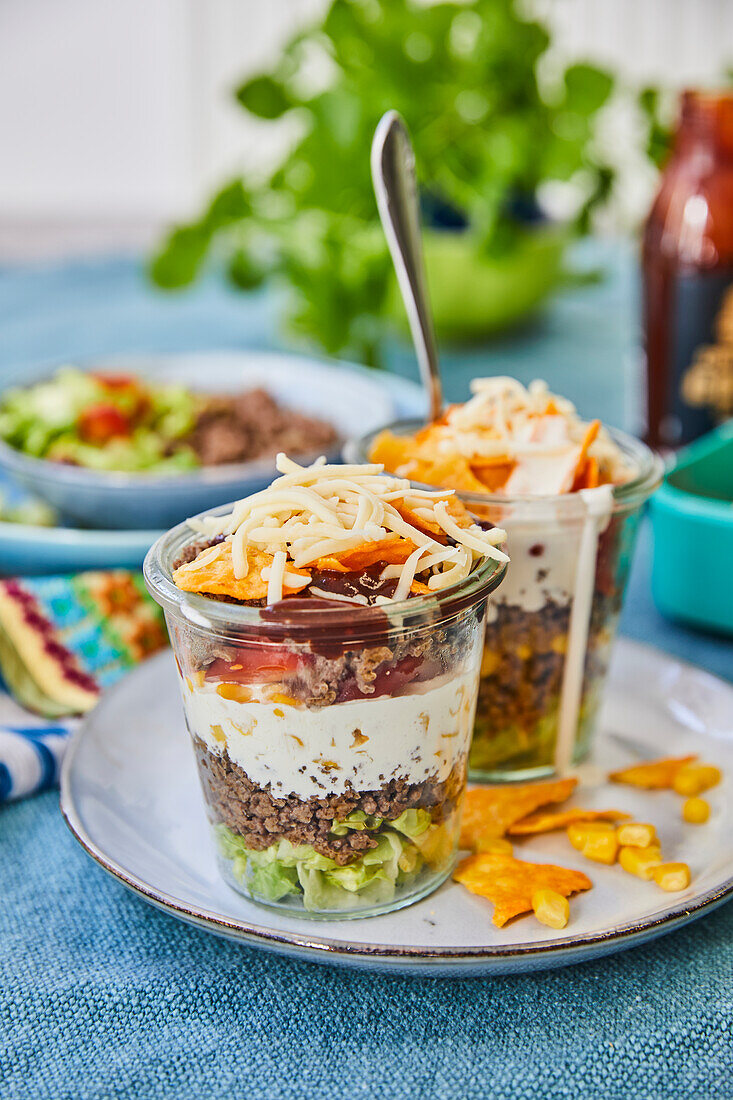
x=276, y=574
x=504, y=419
x=317, y=511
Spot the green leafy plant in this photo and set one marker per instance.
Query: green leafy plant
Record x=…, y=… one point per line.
x=464, y=76
x=660, y=126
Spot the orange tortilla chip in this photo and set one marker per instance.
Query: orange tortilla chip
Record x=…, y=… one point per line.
x=393, y=550
x=391, y=450
x=589, y=438
x=510, y=883
x=451, y=471
x=486, y=461
x=580, y=467
x=455, y=508
x=494, y=475
x=458, y=511
x=420, y=464
x=653, y=775
x=590, y=476
x=428, y=526
x=419, y=457
x=216, y=578
x=419, y=589
x=549, y=820
x=489, y=811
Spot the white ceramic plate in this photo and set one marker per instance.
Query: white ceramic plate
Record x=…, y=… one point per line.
x=130, y=794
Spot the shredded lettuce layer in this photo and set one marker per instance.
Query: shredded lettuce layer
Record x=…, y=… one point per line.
x=404, y=848
x=518, y=747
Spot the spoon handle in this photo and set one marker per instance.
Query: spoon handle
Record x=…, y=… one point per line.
x=393, y=175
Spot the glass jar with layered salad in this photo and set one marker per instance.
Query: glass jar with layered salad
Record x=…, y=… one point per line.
x=569, y=494
x=328, y=632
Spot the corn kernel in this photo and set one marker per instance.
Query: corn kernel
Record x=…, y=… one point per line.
x=711, y=775
x=489, y=662
x=641, y=862
x=636, y=834
x=236, y=692
x=672, y=876
x=285, y=700
x=494, y=844
x=696, y=811
x=692, y=779
x=550, y=908
x=579, y=831
x=559, y=644
x=601, y=847
x=524, y=652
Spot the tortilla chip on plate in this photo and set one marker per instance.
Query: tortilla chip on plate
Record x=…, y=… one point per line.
x=510, y=883
x=653, y=775
x=546, y=821
x=489, y=811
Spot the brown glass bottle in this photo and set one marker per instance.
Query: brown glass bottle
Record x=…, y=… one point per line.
x=687, y=263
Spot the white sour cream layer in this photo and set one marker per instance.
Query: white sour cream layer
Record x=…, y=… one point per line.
x=546, y=554
x=361, y=744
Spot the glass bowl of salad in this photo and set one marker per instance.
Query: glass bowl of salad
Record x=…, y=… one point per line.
x=141, y=443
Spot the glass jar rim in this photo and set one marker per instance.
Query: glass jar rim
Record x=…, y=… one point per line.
x=627, y=495
x=326, y=616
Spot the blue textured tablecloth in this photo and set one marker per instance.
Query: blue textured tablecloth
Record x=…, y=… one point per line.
x=101, y=996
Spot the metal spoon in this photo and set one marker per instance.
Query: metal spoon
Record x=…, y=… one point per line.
x=393, y=176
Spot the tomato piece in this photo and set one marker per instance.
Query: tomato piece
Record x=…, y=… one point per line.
x=254, y=665
x=389, y=680
x=100, y=423
x=114, y=380
x=129, y=393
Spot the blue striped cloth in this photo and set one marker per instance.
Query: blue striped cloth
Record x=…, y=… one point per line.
x=31, y=751
x=30, y=758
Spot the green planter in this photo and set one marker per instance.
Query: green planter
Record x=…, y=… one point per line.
x=474, y=295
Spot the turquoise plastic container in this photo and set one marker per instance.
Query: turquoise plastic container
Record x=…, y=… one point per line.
x=692, y=517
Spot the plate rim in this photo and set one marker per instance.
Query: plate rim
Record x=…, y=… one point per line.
x=322, y=948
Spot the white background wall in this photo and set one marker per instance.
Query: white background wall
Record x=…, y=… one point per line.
x=116, y=115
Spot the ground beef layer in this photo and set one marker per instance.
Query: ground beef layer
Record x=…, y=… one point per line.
x=261, y=818
x=244, y=426
x=525, y=656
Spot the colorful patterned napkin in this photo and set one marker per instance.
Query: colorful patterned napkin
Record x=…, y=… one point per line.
x=62, y=641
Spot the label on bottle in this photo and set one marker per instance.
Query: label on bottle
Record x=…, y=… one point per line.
x=701, y=378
